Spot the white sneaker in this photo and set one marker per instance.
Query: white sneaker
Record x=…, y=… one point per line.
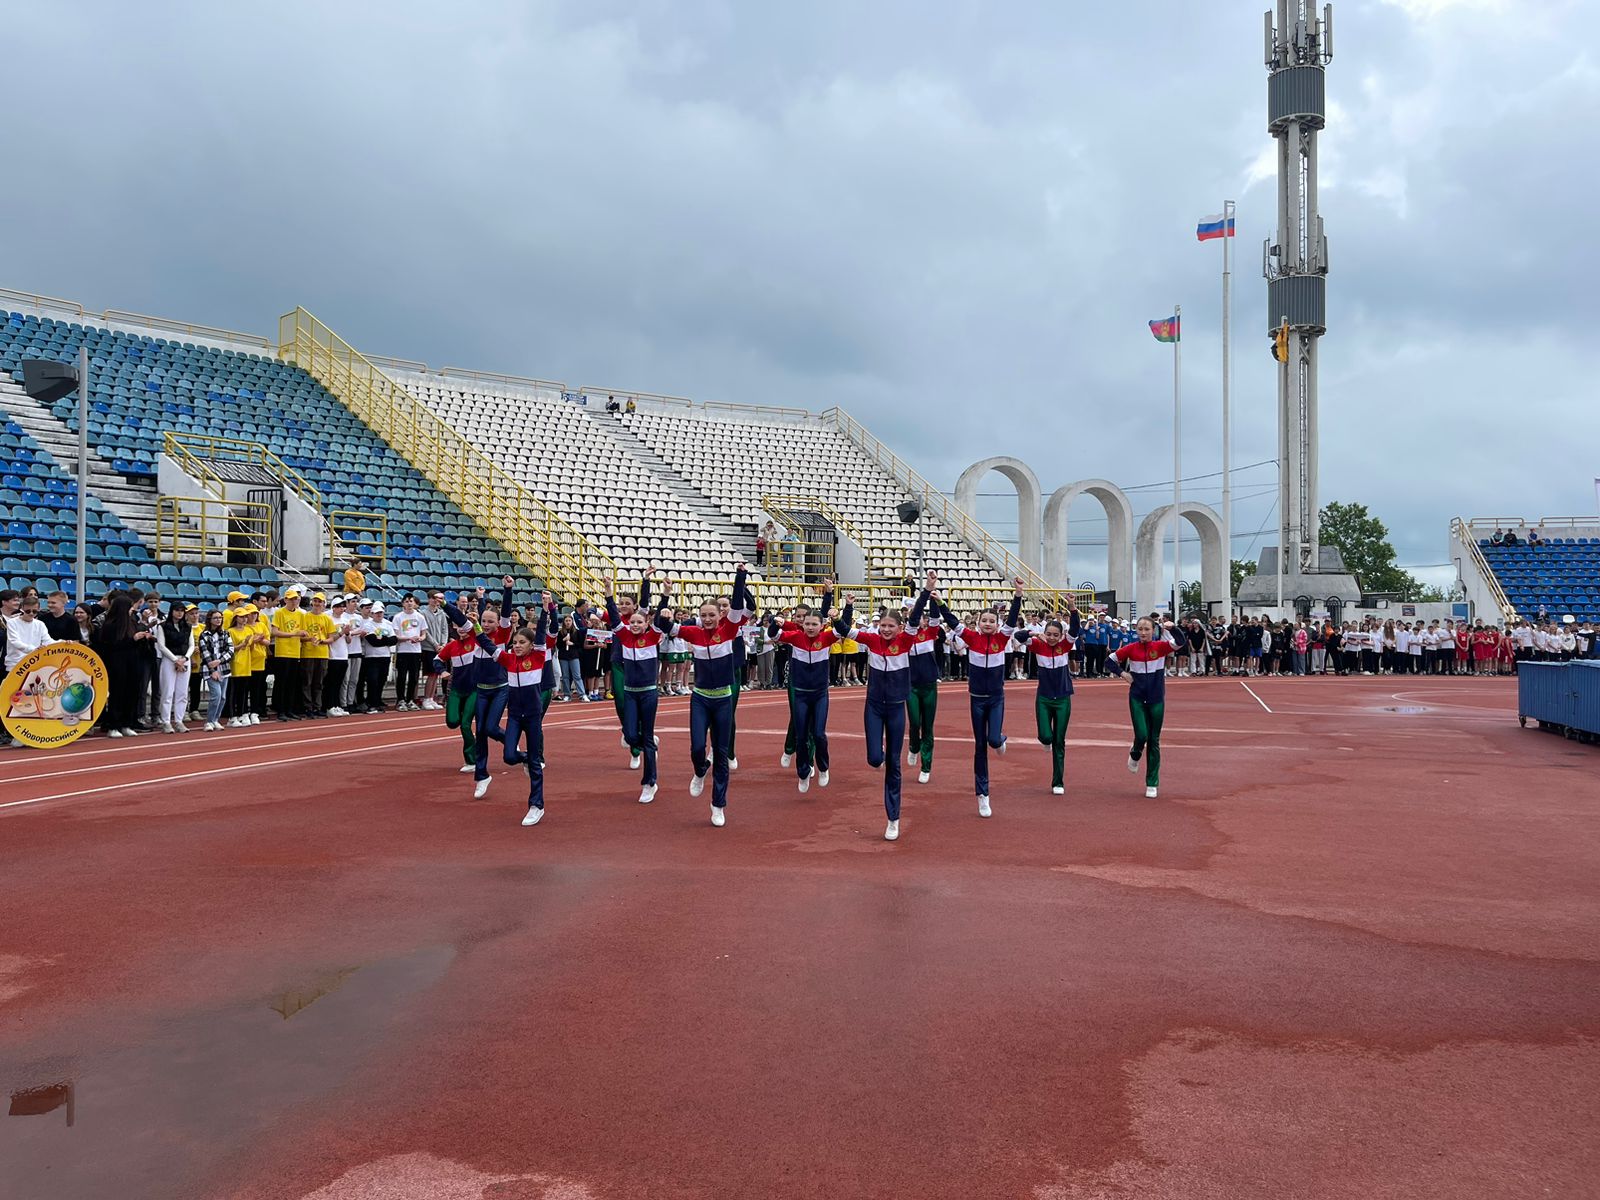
x=467, y=770
x=634, y=760
x=1133, y=764
x=719, y=817
x=647, y=793
x=210, y=725
x=656, y=738
x=1001, y=748
x=983, y=807
x=625, y=741
x=911, y=758
x=255, y=718
x=733, y=764
x=180, y=727
x=130, y=733
x=1058, y=791
x=535, y=815
x=482, y=787
x=1149, y=793
x=785, y=760
x=892, y=831
x=805, y=784
x=344, y=712
x=697, y=784
x=822, y=779
x=114, y=733
x=166, y=727
x=922, y=777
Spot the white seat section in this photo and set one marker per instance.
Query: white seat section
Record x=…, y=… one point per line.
x=553, y=449
x=735, y=462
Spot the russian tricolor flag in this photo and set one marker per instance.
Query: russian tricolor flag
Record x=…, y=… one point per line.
x=1214, y=227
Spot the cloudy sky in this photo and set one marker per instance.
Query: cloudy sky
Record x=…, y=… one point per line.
x=954, y=219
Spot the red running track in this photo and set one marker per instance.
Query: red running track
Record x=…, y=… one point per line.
x=1350, y=952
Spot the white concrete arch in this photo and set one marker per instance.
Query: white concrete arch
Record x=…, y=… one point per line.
x=1213, y=562
x=1029, y=499
x=1119, y=533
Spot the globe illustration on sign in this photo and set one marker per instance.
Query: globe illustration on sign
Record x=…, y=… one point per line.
x=77, y=699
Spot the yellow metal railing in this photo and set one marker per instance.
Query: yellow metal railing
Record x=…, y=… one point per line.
x=568, y=562
x=192, y=449
x=780, y=507
x=1463, y=533
x=937, y=504
x=368, y=531
x=778, y=595
x=204, y=529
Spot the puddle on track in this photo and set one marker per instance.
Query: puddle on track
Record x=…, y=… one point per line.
x=153, y=1118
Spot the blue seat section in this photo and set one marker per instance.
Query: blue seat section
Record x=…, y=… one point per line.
x=1561, y=575
x=141, y=387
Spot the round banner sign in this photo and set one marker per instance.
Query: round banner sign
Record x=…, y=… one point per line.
x=54, y=695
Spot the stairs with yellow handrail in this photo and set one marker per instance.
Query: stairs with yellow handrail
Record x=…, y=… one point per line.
x=567, y=562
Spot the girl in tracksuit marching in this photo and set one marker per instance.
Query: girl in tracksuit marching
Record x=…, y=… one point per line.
x=711, y=643
x=888, y=684
x=1053, y=704
x=459, y=656
x=489, y=679
x=986, y=686
x=808, y=690
x=523, y=663
x=636, y=649
x=922, y=702
x=619, y=616
x=1145, y=662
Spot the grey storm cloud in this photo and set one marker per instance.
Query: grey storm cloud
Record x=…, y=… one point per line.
x=953, y=220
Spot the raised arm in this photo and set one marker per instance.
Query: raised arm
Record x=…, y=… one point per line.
x=541, y=631
x=505, y=601
x=614, y=617
x=739, y=601
x=663, y=621
x=1015, y=613
x=846, y=623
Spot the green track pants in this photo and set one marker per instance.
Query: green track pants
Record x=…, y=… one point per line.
x=1147, y=719
x=460, y=711
x=1053, y=713
x=922, y=705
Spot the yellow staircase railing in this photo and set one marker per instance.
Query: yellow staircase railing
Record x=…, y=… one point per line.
x=541, y=540
x=193, y=451
x=1469, y=540
x=937, y=504
x=205, y=529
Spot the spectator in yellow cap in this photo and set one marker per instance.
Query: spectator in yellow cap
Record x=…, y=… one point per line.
x=318, y=629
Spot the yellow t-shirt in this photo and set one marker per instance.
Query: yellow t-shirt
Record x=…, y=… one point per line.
x=320, y=624
x=258, y=652
x=851, y=646
x=286, y=621
x=355, y=581
x=242, y=656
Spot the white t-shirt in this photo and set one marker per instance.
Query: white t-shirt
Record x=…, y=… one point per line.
x=338, y=649
x=23, y=638
x=410, y=628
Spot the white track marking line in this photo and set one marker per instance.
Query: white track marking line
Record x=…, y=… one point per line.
x=277, y=762
x=234, y=746
x=1252, y=692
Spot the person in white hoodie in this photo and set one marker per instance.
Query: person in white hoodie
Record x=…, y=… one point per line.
x=25, y=632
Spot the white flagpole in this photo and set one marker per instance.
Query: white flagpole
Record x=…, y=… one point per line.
x=1177, y=472
x=1227, y=426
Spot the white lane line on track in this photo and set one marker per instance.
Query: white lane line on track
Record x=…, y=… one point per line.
x=237, y=767
x=236, y=746
x=1252, y=691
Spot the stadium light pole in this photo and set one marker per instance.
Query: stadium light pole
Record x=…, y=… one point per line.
x=47, y=381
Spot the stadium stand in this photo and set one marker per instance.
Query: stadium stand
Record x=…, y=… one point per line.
x=736, y=462
x=569, y=459
x=1560, y=576
x=143, y=387
x=39, y=503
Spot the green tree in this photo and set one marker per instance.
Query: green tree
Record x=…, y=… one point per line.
x=1368, y=553
x=1189, y=599
x=1238, y=569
